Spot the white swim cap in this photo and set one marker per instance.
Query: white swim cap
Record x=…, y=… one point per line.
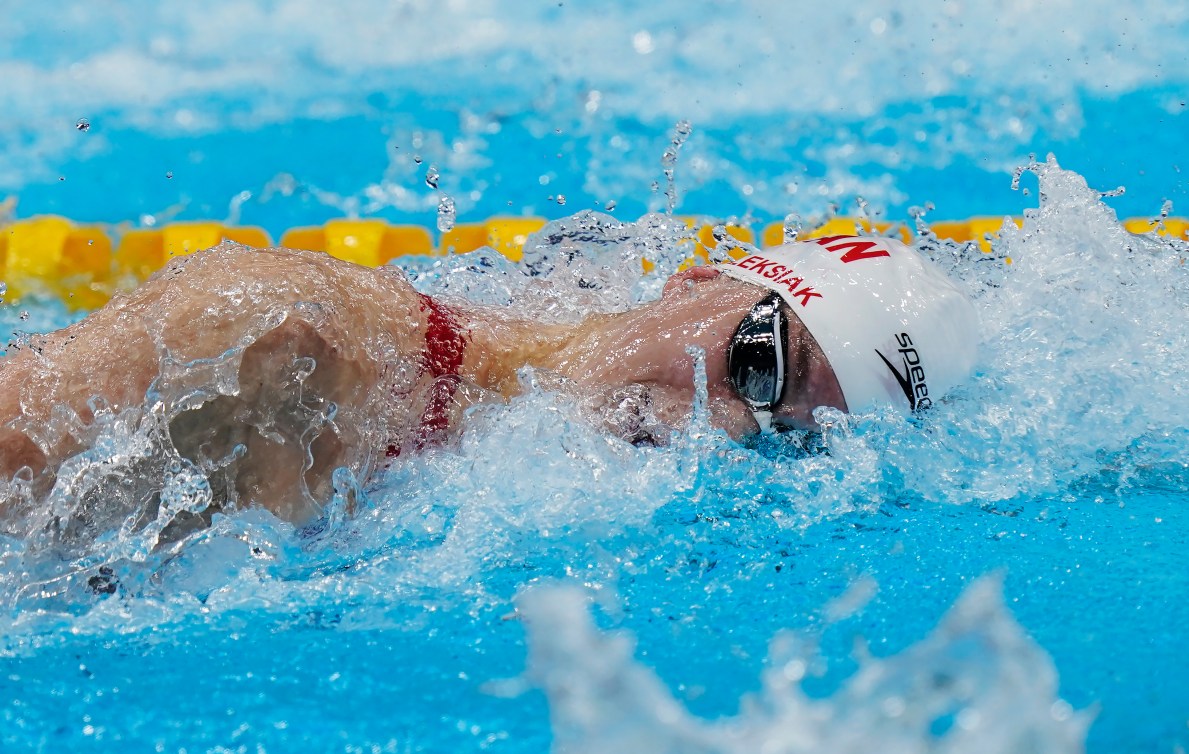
x=892, y=325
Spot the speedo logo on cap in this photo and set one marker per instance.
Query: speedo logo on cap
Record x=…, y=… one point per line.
x=909, y=373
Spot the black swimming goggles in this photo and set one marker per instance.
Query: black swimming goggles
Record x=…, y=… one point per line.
x=755, y=358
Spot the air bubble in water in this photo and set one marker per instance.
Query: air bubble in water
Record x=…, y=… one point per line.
x=83, y=125
x=24, y=315
x=561, y=199
x=417, y=159
x=3, y=290
x=431, y=177
x=611, y=206
x=446, y=213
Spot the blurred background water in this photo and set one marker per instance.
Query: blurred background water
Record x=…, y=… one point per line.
x=1004, y=575
x=315, y=110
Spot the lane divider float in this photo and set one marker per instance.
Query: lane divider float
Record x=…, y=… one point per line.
x=84, y=264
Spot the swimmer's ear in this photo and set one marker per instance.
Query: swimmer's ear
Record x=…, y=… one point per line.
x=691, y=275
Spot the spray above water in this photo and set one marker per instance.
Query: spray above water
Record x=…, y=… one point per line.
x=977, y=684
x=1049, y=405
x=1079, y=378
x=681, y=132
x=446, y=214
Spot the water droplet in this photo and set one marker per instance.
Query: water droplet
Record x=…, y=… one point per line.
x=681, y=132
x=83, y=125
x=446, y=214
x=1015, y=177
x=431, y=177
x=791, y=228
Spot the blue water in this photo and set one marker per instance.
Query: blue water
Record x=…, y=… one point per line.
x=143, y=174
x=1002, y=575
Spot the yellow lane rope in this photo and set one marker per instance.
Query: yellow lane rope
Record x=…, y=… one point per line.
x=84, y=264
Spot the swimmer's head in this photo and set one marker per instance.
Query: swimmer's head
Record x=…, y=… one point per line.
x=892, y=326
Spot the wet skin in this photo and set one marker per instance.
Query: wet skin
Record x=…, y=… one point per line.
x=647, y=346
x=322, y=365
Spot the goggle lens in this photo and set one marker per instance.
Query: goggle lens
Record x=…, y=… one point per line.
x=755, y=359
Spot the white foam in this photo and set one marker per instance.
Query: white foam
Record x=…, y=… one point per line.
x=699, y=62
x=234, y=63
x=978, y=671
x=1079, y=378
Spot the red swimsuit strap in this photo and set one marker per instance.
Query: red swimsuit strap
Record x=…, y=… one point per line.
x=445, y=346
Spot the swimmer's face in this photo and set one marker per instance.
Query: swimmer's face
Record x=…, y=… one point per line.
x=702, y=308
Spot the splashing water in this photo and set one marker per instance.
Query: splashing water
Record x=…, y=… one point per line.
x=948, y=691
x=704, y=549
x=681, y=132
x=588, y=262
x=446, y=214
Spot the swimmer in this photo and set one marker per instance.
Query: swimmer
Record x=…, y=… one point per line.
x=269, y=369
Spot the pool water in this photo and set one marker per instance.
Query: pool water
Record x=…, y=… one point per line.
x=1002, y=574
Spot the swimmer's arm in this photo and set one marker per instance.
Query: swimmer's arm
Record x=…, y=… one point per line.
x=197, y=308
x=17, y=450
x=47, y=384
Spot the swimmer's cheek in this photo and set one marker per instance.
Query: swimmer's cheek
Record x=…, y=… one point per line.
x=672, y=407
x=732, y=417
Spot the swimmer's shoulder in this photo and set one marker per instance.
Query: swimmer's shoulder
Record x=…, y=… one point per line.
x=286, y=273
